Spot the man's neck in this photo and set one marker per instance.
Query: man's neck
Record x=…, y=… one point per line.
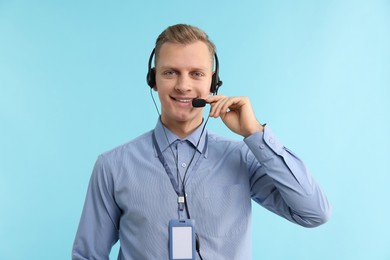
x=182, y=129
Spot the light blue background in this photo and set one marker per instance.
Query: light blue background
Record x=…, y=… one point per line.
x=72, y=85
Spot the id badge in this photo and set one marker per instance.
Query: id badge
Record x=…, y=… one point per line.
x=182, y=239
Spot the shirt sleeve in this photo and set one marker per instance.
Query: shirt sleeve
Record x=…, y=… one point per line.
x=99, y=224
x=281, y=182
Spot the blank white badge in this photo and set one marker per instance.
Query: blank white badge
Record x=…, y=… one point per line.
x=182, y=242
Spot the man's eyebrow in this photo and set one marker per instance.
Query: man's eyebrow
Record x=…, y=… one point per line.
x=167, y=67
x=164, y=67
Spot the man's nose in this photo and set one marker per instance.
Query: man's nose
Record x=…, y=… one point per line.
x=183, y=83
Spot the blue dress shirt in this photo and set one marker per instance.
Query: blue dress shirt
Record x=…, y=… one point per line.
x=131, y=198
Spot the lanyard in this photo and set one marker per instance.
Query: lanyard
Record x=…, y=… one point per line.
x=175, y=185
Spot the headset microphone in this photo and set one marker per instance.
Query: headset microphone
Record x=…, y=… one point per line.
x=198, y=102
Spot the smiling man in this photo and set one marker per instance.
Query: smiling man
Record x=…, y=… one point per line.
x=182, y=192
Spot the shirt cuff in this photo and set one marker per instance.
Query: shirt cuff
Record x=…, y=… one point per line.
x=264, y=144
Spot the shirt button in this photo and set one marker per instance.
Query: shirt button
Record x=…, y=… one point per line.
x=183, y=165
x=262, y=146
x=271, y=140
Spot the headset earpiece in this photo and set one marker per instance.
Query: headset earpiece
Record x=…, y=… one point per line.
x=215, y=81
x=151, y=76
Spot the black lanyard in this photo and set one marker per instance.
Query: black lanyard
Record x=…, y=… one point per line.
x=175, y=185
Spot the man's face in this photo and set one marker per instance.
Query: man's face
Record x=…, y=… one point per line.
x=183, y=73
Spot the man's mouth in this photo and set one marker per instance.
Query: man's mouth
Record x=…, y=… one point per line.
x=182, y=100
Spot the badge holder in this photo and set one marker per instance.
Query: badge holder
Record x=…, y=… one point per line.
x=182, y=239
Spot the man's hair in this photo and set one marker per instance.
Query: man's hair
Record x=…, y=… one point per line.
x=184, y=34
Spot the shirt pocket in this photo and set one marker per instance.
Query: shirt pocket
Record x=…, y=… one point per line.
x=227, y=210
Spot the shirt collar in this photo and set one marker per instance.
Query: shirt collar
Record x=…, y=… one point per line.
x=193, y=138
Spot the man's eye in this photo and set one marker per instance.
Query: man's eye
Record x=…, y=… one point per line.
x=197, y=74
x=169, y=73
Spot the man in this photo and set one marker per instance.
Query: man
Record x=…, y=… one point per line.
x=181, y=171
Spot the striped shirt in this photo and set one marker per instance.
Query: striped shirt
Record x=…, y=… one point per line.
x=131, y=198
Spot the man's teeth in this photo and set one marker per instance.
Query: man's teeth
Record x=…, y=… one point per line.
x=184, y=100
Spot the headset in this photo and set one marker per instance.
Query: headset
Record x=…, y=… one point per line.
x=215, y=81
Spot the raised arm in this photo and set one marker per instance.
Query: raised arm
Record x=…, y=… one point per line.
x=280, y=180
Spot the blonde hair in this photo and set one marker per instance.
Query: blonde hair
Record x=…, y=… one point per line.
x=183, y=34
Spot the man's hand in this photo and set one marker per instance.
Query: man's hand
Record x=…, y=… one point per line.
x=236, y=113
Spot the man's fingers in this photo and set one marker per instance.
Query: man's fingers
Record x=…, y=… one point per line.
x=216, y=104
x=220, y=105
